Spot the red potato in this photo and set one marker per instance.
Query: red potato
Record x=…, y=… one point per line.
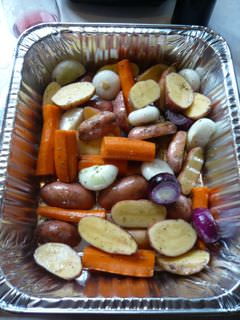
x=181, y=209
x=175, y=153
x=67, y=196
x=101, y=105
x=200, y=107
x=161, y=101
x=120, y=111
x=141, y=237
x=178, y=92
x=152, y=131
x=58, y=231
x=127, y=188
x=97, y=126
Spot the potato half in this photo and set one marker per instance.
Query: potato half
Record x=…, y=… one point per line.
x=59, y=259
x=106, y=236
x=186, y=264
x=172, y=237
x=137, y=213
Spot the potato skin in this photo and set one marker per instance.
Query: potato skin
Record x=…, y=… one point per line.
x=181, y=209
x=97, y=126
x=101, y=105
x=175, y=151
x=67, y=196
x=152, y=131
x=127, y=188
x=58, y=231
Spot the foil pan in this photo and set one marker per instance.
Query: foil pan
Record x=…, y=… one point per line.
x=25, y=287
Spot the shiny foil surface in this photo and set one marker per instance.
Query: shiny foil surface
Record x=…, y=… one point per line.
x=24, y=286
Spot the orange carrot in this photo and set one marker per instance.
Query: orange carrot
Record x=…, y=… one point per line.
x=65, y=155
x=126, y=79
x=94, y=160
x=45, y=161
x=140, y=264
x=72, y=152
x=70, y=215
x=200, y=197
x=127, y=149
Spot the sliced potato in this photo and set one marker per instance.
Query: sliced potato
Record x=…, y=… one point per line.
x=89, y=112
x=59, y=259
x=113, y=67
x=190, y=263
x=89, y=147
x=137, y=213
x=106, y=236
x=200, y=107
x=161, y=83
x=153, y=72
x=179, y=93
x=143, y=93
x=71, y=119
x=172, y=237
x=189, y=175
x=50, y=91
x=141, y=237
x=73, y=95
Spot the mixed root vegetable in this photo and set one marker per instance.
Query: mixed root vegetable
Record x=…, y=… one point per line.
x=119, y=165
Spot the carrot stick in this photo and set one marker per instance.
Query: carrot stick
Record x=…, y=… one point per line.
x=60, y=156
x=200, y=197
x=65, y=155
x=95, y=160
x=71, y=215
x=126, y=79
x=127, y=149
x=45, y=161
x=72, y=154
x=140, y=264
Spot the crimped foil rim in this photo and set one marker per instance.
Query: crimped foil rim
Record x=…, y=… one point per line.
x=13, y=299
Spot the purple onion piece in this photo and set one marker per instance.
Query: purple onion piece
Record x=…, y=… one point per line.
x=182, y=122
x=205, y=225
x=164, y=188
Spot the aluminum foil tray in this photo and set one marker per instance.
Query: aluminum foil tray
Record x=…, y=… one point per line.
x=25, y=287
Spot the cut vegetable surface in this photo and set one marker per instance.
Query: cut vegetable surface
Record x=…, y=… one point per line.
x=151, y=169
x=187, y=264
x=106, y=236
x=172, y=237
x=200, y=197
x=190, y=173
x=179, y=94
x=127, y=149
x=200, y=107
x=137, y=213
x=153, y=73
x=140, y=264
x=50, y=90
x=98, y=177
x=73, y=95
x=143, y=93
x=164, y=188
x=71, y=119
x=59, y=259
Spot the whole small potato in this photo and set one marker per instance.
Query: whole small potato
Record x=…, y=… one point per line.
x=67, y=196
x=58, y=231
x=127, y=188
x=181, y=209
